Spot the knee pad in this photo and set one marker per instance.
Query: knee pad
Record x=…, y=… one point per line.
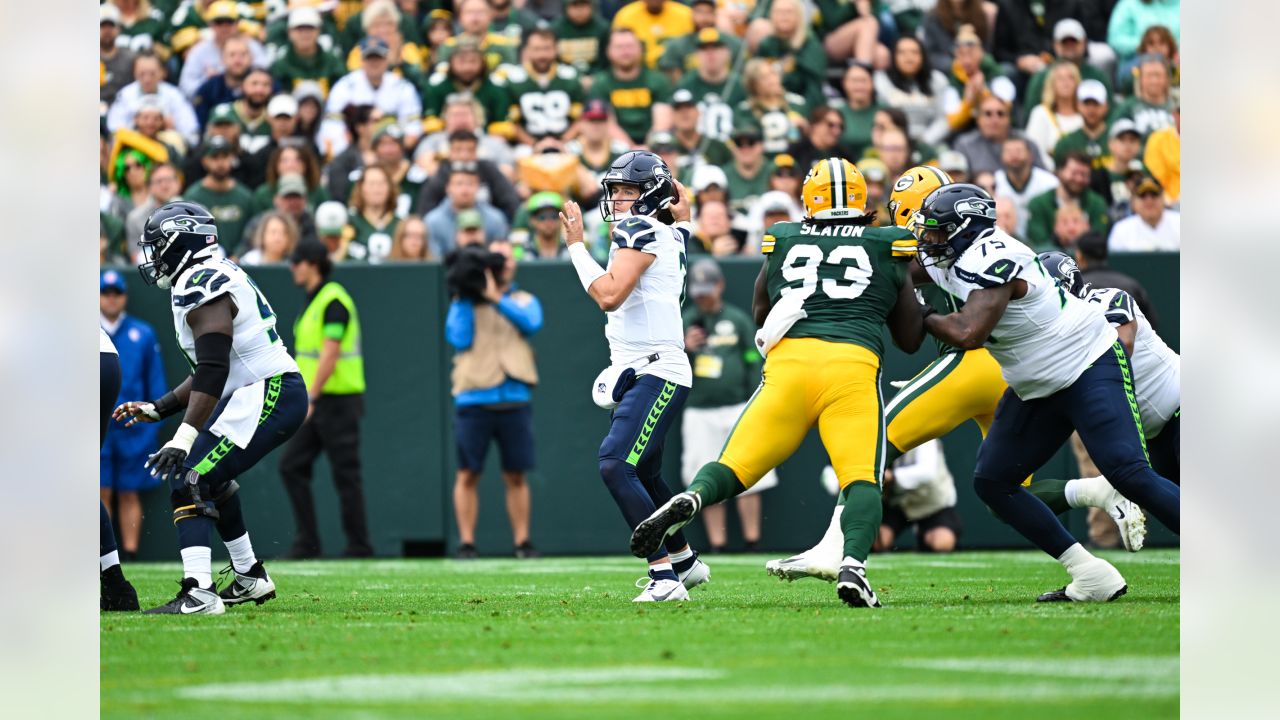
x=188, y=495
x=221, y=495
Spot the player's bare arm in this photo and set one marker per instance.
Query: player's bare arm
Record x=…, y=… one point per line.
x=150, y=411
x=1128, y=332
x=970, y=328
x=760, y=305
x=612, y=288
x=918, y=274
x=905, y=324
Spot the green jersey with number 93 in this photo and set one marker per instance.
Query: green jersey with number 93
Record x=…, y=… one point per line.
x=848, y=275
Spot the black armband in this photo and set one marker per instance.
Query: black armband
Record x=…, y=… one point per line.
x=167, y=405
x=213, y=363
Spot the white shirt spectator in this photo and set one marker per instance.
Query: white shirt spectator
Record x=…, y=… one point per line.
x=922, y=482
x=395, y=97
x=174, y=103
x=1133, y=234
x=926, y=114
x=1046, y=128
x=204, y=60
x=1041, y=181
x=754, y=218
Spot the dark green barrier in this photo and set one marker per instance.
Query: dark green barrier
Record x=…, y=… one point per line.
x=407, y=445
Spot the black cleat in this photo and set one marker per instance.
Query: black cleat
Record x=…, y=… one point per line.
x=852, y=587
x=526, y=551
x=117, y=593
x=191, y=600
x=467, y=551
x=653, y=530
x=1060, y=595
x=254, y=585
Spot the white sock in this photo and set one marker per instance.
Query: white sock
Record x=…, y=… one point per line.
x=241, y=551
x=109, y=560
x=1075, y=558
x=1085, y=492
x=849, y=560
x=197, y=562
x=662, y=567
x=832, y=543
x=683, y=555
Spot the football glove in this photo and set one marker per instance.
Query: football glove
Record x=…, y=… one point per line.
x=168, y=461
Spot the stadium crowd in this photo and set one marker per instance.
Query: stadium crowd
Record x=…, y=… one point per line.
x=390, y=130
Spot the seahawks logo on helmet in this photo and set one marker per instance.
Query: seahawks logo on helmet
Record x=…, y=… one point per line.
x=976, y=206
x=189, y=225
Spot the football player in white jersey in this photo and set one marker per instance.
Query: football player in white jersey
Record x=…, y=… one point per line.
x=116, y=592
x=1066, y=369
x=649, y=377
x=244, y=398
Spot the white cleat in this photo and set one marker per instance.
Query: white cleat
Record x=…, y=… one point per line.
x=804, y=565
x=696, y=575
x=660, y=590
x=253, y=586
x=1129, y=519
x=1098, y=581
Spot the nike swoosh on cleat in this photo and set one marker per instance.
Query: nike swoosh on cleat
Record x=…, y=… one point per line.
x=183, y=609
x=1121, y=511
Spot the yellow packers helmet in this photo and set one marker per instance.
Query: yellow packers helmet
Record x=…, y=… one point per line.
x=833, y=189
x=910, y=190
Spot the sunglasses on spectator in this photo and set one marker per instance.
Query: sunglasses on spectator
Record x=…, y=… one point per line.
x=1149, y=194
x=224, y=21
x=546, y=215
x=746, y=141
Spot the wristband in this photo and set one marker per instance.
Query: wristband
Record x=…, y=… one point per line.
x=167, y=405
x=588, y=269
x=184, y=438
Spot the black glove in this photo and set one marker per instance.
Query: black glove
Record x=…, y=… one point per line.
x=166, y=461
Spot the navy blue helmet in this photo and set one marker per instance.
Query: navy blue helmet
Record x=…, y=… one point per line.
x=177, y=235
x=645, y=171
x=950, y=220
x=1063, y=269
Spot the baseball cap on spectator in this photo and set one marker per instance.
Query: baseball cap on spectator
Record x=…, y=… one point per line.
x=595, y=110
x=1092, y=90
x=222, y=114
x=663, y=140
x=282, y=105
x=874, y=170
x=784, y=164
x=704, y=277
x=111, y=280
x=706, y=176
x=950, y=161
x=304, y=17
x=217, y=145
x=469, y=219
x=150, y=102
x=109, y=13
x=1148, y=184
x=1003, y=88
x=291, y=184
x=775, y=201
x=1069, y=29
x=331, y=217
x=374, y=47
x=222, y=10
x=745, y=129
x=543, y=200
x=709, y=37
x=967, y=35
x=308, y=89
x=1122, y=126
x=390, y=128
x=682, y=97
x=466, y=43
x=696, y=3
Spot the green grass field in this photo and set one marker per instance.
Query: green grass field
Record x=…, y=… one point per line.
x=559, y=638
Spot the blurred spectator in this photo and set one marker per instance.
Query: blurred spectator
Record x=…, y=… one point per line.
x=1151, y=106
x=1069, y=45
x=893, y=149
x=920, y=493
x=409, y=244
x=581, y=36
x=327, y=345
x=129, y=178
x=777, y=113
x=1157, y=41
x=495, y=189
x=474, y=20
x=143, y=28
x=711, y=86
x=545, y=241
x=334, y=231
x=230, y=202
x=888, y=118
x=151, y=124
x=1015, y=40
x=250, y=111
x=849, y=31
x=465, y=73
x=799, y=54
x=1091, y=256
x=1069, y=223
x=786, y=177
x=546, y=97
x=1007, y=215
x=303, y=58
x=638, y=95
x=204, y=59
x=372, y=85
x=1151, y=227
x=190, y=22
x=461, y=191
x=595, y=145
x=748, y=175
x=380, y=19
x=437, y=29
x=941, y=26
x=1018, y=180
x=290, y=199
x=470, y=229
x=912, y=85
x=1163, y=156
x=275, y=235
x=1116, y=180
x=163, y=185
x=462, y=113
x=713, y=231
x=720, y=341
x=954, y=164
x=968, y=74
x=282, y=121
x=511, y=21
x=654, y=22
x=680, y=56
x=148, y=74
x=876, y=173
x=982, y=147
x=664, y=145
x=227, y=85
x=356, y=26
x=689, y=129
x=310, y=114
x=858, y=108
x=774, y=206
x=1131, y=18
x=345, y=168
x=108, y=254
x=1090, y=137
x=1057, y=113
x=116, y=59
x=223, y=124
x=826, y=127
x=709, y=184
x=373, y=211
x=122, y=474
x=494, y=373
x=1073, y=189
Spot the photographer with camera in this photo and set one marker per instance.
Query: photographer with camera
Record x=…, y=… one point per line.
x=489, y=324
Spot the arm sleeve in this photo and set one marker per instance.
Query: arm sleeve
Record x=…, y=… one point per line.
x=460, y=324
x=336, y=318
x=523, y=310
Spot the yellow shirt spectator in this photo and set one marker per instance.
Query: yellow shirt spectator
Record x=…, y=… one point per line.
x=655, y=22
x=1163, y=157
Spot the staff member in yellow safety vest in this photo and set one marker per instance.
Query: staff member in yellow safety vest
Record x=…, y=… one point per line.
x=327, y=341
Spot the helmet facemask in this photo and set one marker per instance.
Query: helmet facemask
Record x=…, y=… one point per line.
x=168, y=257
x=656, y=191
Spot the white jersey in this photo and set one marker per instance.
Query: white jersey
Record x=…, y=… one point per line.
x=104, y=343
x=1157, y=369
x=257, y=352
x=1047, y=338
x=648, y=323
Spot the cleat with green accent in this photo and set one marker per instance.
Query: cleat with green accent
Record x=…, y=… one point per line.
x=666, y=520
x=192, y=600
x=254, y=585
x=853, y=587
